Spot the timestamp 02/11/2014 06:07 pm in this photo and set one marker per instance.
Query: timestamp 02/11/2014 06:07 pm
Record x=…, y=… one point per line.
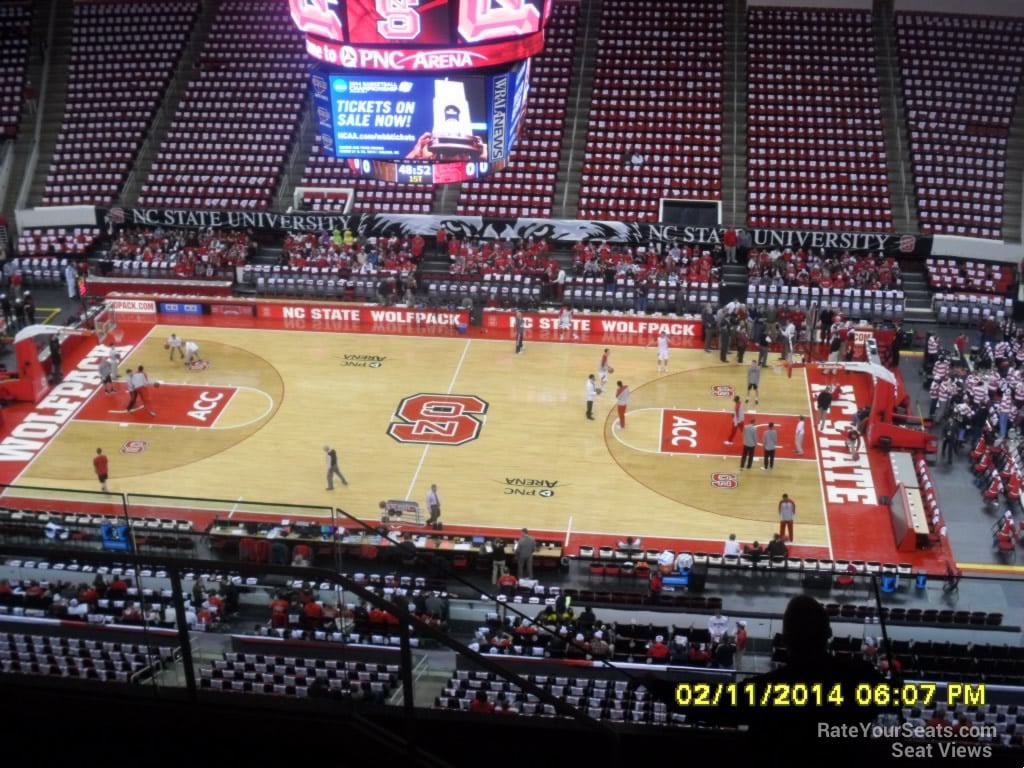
x=775, y=694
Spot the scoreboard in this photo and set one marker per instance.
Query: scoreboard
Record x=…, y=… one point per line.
x=421, y=91
x=421, y=35
x=436, y=129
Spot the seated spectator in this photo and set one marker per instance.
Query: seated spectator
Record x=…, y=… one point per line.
x=599, y=647
x=698, y=655
x=654, y=585
x=684, y=562
x=724, y=653
x=732, y=547
x=78, y=610
x=776, y=547
x=118, y=588
x=279, y=608
x=480, y=703
x=754, y=552
x=505, y=707
x=631, y=543
x=658, y=651
x=548, y=617
x=507, y=582
x=579, y=647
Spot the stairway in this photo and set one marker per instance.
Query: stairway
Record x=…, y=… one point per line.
x=161, y=124
x=734, y=284
x=446, y=199
x=1013, y=196
x=298, y=156
x=894, y=121
x=56, y=95
x=734, y=116
x=577, y=118
x=917, y=307
x=26, y=127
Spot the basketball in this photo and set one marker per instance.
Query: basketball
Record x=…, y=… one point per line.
x=167, y=346
x=610, y=369
x=156, y=383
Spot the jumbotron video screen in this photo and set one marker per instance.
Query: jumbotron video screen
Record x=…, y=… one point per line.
x=421, y=35
x=421, y=91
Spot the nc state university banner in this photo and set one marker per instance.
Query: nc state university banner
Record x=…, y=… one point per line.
x=480, y=227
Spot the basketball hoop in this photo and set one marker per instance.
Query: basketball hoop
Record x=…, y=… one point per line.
x=107, y=327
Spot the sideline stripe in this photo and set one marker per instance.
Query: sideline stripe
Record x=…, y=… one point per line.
x=992, y=568
x=426, y=448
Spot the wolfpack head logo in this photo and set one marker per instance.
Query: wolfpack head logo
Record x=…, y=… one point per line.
x=908, y=243
x=724, y=480
x=723, y=390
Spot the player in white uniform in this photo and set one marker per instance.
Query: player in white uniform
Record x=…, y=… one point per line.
x=663, y=352
x=565, y=324
x=191, y=353
x=174, y=344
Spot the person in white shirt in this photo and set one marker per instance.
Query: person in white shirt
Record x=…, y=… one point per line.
x=732, y=547
x=174, y=344
x=788, y=341
x=191, y=353
x=666, y=560
x=138, y=383
x=684, y=562
x=434, y=505
x=565, y=324
x=663, y=352
x=798, y=436
x=590, y=393
x=717, y=626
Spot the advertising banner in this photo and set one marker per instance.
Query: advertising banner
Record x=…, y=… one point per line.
x=342, y=317
x=543, y=325
x=178, y=308
x=552, y=230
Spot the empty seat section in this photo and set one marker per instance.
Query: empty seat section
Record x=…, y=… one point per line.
x=236, y=122
x=816, y=148
x=960, y=80
x=123, y=57
x=656, y=113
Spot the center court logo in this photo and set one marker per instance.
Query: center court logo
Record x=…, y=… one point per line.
x=724, y=480
x=723, y=390
x=430, y=419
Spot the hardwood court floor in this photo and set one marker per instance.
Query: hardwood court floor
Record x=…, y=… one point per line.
x=252, y=427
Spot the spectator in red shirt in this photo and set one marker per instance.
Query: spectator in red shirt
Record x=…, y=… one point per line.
x=658, y=651
x=480, y=703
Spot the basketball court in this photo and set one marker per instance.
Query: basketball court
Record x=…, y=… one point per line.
x=504, y=436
